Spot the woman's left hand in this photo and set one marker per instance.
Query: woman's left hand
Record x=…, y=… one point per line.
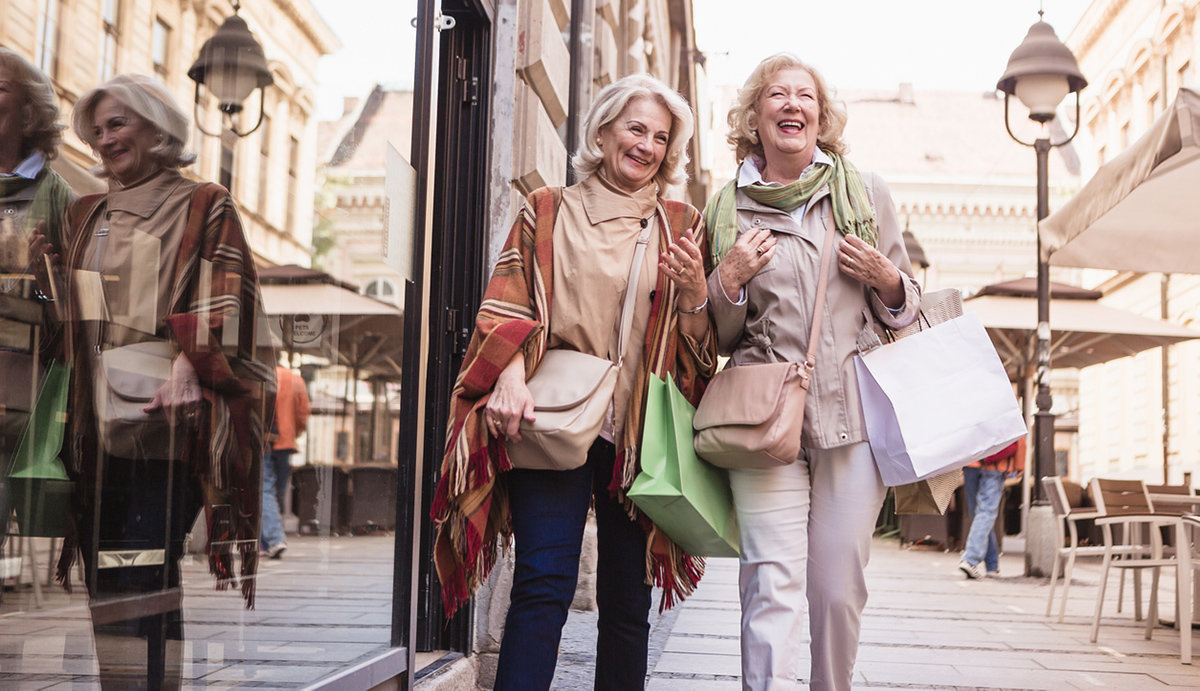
x=865, y=264
x=180, y=394
x=684, y=265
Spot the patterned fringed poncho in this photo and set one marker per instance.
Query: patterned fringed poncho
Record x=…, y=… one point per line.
x=470, y=506
x=217, y=320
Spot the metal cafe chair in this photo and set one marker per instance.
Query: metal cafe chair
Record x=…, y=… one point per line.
x=1133, y=540
x=1068, y=516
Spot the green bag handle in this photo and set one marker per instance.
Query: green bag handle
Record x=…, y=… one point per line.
x=41, y=440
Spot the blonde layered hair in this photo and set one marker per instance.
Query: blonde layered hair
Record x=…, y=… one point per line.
x=609, y=104
x=40, y=128
x=744, y=139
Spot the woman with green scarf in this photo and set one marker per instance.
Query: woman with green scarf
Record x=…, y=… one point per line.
x=30, y=194
x=805, y=527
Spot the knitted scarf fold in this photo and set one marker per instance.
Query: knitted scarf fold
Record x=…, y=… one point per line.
x=851, y=207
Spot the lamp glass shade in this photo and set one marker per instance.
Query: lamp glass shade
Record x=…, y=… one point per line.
x=1041, y=93
x=231, y=81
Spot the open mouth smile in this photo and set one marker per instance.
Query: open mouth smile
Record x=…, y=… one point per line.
x=791, y=126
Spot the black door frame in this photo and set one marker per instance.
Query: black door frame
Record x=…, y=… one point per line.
x=450, y=154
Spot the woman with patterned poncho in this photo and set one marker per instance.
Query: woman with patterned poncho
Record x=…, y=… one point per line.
x=156, y=273
x=560, y=283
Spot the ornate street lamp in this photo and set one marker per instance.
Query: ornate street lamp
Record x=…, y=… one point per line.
x=231, y=65
x=1041, y=72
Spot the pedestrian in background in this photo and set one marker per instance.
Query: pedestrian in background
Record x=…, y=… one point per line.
x=805, y=527
x=560, y=283
x=291, y=419
x=158, y=277
x=983, y=485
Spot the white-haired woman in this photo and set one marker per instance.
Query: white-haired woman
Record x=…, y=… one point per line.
x=560, y=283
x=806, y=527
x=158, y=275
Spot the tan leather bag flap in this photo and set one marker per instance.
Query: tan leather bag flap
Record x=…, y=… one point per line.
x=135, y=372
x=758, y=388
x=566, y=378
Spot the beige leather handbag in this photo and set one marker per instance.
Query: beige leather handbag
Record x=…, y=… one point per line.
x=127, y=380
x=752, y=416
x=572, y=392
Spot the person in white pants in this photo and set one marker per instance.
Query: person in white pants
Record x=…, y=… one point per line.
x=805, y=527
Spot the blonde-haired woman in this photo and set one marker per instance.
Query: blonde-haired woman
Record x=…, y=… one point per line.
x=31, y=194
x=560, y=283
x=158, y=272
x=805, y=527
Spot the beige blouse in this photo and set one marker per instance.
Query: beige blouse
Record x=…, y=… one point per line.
x=128, y=265
x=595, y=234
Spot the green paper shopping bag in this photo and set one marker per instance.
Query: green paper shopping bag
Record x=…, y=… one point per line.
x=41, y=491
x=686, y=497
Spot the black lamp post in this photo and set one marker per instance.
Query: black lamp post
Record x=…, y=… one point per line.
x=1041, y=72
x=231, y=65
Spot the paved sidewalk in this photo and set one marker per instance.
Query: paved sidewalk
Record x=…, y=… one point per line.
x=926, y=626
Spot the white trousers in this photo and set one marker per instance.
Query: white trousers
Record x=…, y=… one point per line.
x=816, y=516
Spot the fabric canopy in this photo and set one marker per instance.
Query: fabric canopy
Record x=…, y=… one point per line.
x=1138, y=212
x=315, y=314
x=1083, y=332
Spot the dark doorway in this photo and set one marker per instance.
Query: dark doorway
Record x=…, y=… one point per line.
x=457, y=245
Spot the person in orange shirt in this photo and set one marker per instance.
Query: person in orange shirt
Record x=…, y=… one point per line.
x=291, y=417
x=984, y=485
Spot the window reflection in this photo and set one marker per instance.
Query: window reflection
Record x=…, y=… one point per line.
x=161, y=514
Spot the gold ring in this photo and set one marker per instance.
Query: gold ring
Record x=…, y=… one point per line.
x=761, y=250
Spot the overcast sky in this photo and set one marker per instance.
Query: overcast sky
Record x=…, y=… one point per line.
x=934, y=44
x=856, y=44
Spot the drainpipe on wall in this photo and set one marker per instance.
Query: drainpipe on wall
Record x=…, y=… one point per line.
x=579, y=96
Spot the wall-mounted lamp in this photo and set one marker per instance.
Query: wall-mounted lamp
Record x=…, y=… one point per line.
x=231, y=65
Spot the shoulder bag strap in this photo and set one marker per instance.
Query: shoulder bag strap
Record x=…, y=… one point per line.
x=635, y=274
x=810, y=360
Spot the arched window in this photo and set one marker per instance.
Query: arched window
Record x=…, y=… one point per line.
x=381, y=289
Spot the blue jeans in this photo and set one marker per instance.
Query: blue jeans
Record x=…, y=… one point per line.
x=273, y=484
x=983, y=488
x=549, y=511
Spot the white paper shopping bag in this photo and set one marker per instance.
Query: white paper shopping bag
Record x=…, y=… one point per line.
x=936, y=400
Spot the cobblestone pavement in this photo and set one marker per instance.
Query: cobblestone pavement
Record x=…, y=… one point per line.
x=925, y=627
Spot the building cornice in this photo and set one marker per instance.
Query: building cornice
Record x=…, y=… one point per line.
x=1094, y=22
x=964, y=210
x=311, y=24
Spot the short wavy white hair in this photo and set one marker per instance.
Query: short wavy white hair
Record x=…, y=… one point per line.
x=149, y=100
x=609, y=104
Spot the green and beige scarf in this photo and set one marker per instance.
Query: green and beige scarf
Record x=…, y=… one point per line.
x=851, y=207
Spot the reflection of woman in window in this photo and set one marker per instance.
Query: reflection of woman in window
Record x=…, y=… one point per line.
x=30, y=193
x=160, y=278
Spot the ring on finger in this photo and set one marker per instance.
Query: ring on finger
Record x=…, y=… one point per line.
x=761, y=250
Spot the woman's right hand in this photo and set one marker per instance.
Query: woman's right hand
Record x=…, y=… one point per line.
x=39, y=249
x=510, y=402
x=752, y=251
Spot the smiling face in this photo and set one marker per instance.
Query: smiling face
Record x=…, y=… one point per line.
x=634, y=143
x=124, y=140
x=788, y=118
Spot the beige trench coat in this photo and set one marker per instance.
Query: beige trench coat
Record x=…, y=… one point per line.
x=773, y=322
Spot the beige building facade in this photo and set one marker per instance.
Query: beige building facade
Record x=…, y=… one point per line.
x=1136, y=54
x=82, y=43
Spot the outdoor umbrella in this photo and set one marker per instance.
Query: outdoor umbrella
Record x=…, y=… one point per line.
x=1083, y=331
x=314, y=313
x=1138, y=212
